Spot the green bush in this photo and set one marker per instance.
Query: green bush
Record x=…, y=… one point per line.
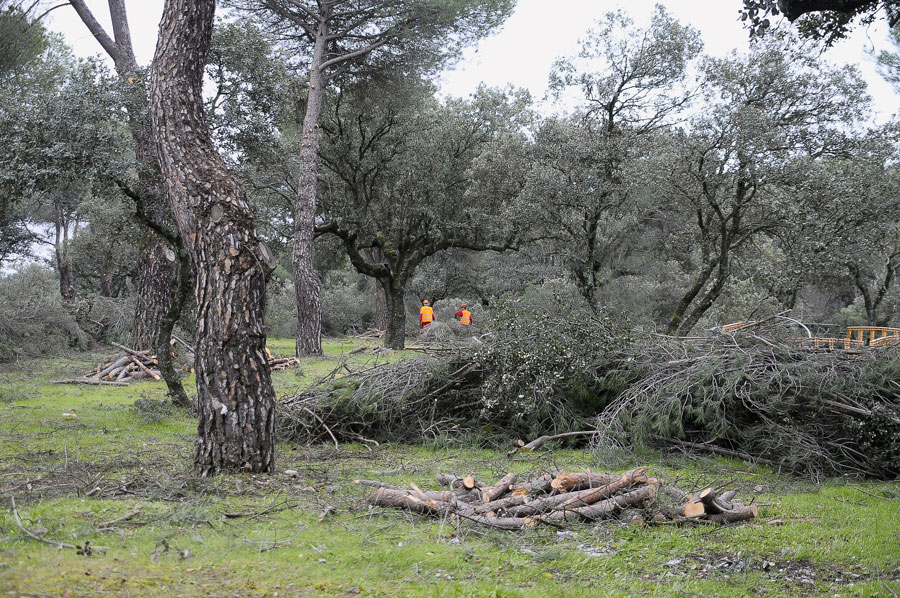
x=33, y=320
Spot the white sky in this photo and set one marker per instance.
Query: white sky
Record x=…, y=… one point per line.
x=523, y=51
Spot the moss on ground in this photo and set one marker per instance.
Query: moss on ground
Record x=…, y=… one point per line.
x=261, y=535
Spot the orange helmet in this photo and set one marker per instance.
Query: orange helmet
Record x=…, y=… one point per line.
x=424, y=301
x=464, y=306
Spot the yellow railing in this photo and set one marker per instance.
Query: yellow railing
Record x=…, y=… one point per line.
x=873, y=335
x=822, y=342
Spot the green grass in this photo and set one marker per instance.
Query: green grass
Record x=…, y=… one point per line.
x=69, y=475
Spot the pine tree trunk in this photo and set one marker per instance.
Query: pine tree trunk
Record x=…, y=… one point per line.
x=306, y=280
x=395, y=331
x=156, y=276
x=236, y=430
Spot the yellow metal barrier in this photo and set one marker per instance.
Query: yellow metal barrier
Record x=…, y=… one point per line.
x=873, y=335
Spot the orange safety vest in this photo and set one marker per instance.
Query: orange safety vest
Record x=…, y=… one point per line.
x=466, y=318
x=426, y=314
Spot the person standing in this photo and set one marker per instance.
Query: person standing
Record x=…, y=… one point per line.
x=426, y=315
x=464, y=316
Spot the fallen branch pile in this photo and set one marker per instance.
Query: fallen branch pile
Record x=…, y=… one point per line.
x=633, y=497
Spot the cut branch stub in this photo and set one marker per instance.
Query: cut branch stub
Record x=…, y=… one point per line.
x=267, y=257
x=566, y=482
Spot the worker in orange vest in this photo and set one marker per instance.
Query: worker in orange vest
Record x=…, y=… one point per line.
x=426, y=315
x=464, y=316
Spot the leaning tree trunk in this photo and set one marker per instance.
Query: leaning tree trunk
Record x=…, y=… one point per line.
x=306, y=280
x=236, y=429
x=395, y=332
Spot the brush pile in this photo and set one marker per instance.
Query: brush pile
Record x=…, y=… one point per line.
x=758, y=395
x=633, y=497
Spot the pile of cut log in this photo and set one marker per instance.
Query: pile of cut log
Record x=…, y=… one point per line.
x=281, y=363
x=371, y=333
x=633, y=497
x=120, y=369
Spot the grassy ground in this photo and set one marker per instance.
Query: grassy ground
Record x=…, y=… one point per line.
x=124, y=453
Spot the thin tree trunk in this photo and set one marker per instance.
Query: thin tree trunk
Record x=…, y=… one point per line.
x=306, y=280
x=685, y=302
x=376, y=256
x=395, y=332
x=167, y=323
x=156, y=279
x=236, y=429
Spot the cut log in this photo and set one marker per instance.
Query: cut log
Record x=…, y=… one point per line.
x=406, y=499
x=139, y=354
x=694, y=509
x=566, y=482
x=91, y=381
x=739, y=513
x=727, y=497
x=502, y=504
x=491, y=493
x=469, y=482
x=115, y=365
x=144, y=368
x=536, y=486
x=604, y=508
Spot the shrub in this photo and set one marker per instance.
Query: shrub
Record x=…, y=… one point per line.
x=33, y=320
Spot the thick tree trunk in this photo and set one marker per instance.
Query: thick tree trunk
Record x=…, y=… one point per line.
x=156, y=278
x=395, y=332
x=306, y=280
x=236, y=430
x=66, y=279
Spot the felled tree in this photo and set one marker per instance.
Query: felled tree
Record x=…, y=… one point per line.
x=401, y=182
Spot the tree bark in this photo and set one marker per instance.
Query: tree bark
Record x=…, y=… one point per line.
x=236, y=430
x=306, y=280
x=156, y=277
x=395, y=332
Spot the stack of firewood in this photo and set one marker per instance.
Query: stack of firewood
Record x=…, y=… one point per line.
x=633, y=496
x=281, y=363
x=127, y=366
